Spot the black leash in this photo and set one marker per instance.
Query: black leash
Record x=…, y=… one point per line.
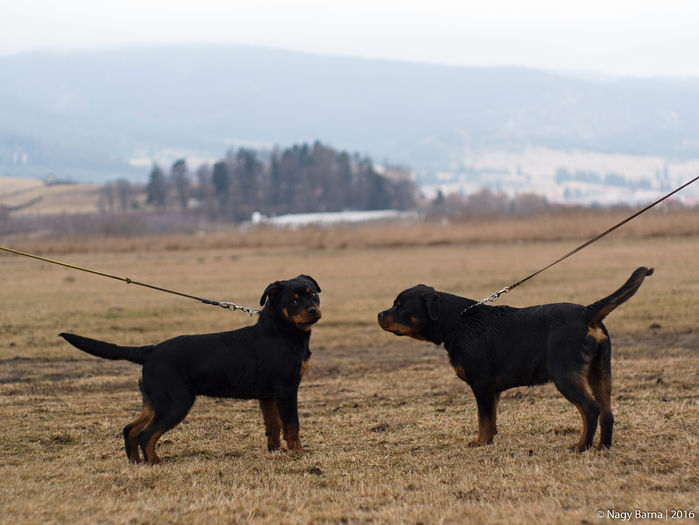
x=494, y=296
x=222, y=304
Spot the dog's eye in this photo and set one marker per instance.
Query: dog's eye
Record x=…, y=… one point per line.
x=295, y=301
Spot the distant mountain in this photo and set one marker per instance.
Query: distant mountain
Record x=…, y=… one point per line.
x=93, y=116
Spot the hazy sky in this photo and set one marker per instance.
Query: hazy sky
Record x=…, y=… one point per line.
x=617, y=37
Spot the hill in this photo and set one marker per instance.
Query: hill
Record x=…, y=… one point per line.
x=94, y=116
x=33, y=197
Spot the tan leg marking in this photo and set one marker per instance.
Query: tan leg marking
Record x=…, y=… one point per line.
x=580, y=382
x=137, y=425
x=273, y=423
x=151, y=457
x=580, y=445
x=495, y=413
x=291, y=436
x=486, y=431
x=601, y=386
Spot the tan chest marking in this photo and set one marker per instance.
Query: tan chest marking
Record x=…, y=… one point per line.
x=304, y=366
x=460, y=372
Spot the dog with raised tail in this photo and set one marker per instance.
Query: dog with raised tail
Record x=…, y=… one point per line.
x=494, y=348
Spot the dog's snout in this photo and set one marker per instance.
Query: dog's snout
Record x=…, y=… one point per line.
x=380, y=316
x=315, y=311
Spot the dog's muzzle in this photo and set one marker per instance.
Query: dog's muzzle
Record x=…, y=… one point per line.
x=315, y=313
x=385, y=320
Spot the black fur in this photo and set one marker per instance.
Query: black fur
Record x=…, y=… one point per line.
x=264, y=361
x=494, y=348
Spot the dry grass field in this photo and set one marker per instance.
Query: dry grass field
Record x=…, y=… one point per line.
x=41, y=199
x=384, y=420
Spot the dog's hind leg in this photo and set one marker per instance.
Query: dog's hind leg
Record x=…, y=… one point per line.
x=600, y=379
x=169, y=408
x=132, y=430
x=149, y=436
x=601, y=385
x=573, y=387
x=495, y=412
x=273, y=423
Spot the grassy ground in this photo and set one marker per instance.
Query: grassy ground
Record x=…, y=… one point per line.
x=384, y=420
x=41, y=199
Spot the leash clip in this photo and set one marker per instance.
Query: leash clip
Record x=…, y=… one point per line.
x=233, y=307
x=490, y=299
x=494, y=297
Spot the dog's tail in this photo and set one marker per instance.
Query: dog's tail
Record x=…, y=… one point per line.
x=135, y=354
x=602, y=308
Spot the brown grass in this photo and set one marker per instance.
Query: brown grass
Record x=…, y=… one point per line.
x=564, y=224
x=13, y=186
x=385, y=420
x=48, y=200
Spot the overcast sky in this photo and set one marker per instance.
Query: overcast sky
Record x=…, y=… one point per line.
x=616, y=37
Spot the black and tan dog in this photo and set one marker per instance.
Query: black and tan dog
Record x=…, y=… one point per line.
x=494, y=348
x=265, y=361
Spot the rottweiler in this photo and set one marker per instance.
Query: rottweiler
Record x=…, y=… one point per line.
x=264, y=361
x=494, y=348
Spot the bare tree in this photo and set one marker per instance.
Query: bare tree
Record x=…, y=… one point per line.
x=180, y=181
x=124, y=193
x=105, y=202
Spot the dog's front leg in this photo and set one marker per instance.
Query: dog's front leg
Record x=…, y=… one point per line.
x=287, y=401
x=487, y=408
x=273, y=424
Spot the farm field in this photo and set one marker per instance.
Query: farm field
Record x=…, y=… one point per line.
x=33, y=197
x=384, y=420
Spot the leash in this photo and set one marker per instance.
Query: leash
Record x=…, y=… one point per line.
x=229, y=306
x=250, y=311
x=506, y=289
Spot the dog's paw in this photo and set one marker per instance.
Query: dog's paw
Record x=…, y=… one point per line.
x=294, y=448
x=480, y=442
x=578, y=447
x=274, y=447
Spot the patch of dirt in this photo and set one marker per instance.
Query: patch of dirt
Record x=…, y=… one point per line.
x=654, y=340
x=351, y=361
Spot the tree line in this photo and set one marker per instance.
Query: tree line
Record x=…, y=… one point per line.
x=299, y=179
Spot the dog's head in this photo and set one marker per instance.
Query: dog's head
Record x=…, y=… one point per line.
x=295, y=300
x=412, y=313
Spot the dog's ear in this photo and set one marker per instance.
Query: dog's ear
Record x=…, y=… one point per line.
x=304, y=276
x=272, y=289
x=433, y=304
